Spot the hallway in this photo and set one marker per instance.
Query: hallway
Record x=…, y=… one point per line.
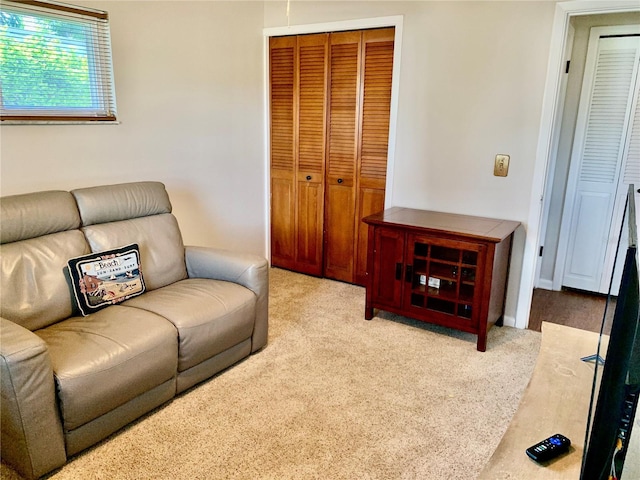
x=572, y=308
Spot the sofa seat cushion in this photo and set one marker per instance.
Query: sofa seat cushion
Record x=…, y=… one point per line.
x=104, y=360
x=210, y=315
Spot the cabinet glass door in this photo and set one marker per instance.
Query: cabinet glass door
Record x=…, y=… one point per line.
x=441, y=276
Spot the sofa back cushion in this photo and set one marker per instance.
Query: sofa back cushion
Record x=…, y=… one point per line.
x=117, y=215
x=39, y=234
x=36, y=214
x=111, y=203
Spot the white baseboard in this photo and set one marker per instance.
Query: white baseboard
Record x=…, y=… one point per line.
x=509, y=321
x=545, y=284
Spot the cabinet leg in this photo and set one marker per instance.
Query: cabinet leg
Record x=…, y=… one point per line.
x=482, y=343
x=368, y=313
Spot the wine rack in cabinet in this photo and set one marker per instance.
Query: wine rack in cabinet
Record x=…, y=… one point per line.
x=440, y=268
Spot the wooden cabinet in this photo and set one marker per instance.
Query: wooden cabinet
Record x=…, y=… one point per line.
x=330, y=105
x=440, y=268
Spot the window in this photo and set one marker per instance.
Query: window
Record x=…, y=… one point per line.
x=55, y=63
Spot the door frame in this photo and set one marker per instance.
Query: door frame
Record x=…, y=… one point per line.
x=549, y=124
x=358, y=24
x=564, y=81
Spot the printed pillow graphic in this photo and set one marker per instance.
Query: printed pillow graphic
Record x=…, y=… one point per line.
x=105, y=278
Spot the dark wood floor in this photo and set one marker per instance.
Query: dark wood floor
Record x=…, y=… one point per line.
x=569, y=307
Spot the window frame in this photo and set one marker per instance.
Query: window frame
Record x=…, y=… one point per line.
x=99, y=59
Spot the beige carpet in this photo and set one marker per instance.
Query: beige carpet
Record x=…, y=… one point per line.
x=332, y=396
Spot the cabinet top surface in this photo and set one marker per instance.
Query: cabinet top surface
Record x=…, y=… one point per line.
x=489, y=229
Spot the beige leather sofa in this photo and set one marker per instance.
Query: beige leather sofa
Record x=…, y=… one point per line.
x=68, y=381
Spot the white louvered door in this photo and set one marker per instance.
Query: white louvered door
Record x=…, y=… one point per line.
x=600, y=153
x=630, y=176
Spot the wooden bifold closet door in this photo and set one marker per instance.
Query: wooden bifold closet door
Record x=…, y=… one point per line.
x=330, y=100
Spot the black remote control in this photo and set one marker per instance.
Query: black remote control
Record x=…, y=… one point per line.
x=549, y=448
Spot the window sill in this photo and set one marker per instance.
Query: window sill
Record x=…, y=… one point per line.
x=59, y=122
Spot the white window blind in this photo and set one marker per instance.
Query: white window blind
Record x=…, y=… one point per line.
x=55, y=62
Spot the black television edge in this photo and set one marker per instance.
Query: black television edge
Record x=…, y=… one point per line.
x=609, y=429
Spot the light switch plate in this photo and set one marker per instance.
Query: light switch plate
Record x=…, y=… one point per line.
x=501, y=167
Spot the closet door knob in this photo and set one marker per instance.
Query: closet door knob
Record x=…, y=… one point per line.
x=340, y=180
x=308, y=177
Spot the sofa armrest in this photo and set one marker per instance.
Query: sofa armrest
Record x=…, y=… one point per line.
x=32, y=438
x=250, y=271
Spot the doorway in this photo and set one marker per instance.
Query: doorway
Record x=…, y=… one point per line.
x=543, y=176
x=566, y=199
x=330, y=97
x=385, y=185
x=601, y=164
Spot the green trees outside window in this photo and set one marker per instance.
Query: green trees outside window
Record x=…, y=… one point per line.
x=47, y=55
x=55, y=62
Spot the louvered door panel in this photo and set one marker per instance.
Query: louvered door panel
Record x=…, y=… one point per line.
x=631, y=174
x=342, y=152
x=343, y=106
x=632, y=166
x=376, y=108
x=311, y=140
x=282, y=57
x=374, y=136
x=615, y=70
x=282, y=100
x=313, y=60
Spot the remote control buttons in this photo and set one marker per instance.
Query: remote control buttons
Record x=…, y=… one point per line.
x=549, y=448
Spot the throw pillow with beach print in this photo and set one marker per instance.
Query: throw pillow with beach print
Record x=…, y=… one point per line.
x=106, y=278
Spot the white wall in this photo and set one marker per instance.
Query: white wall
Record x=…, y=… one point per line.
x=472, y=80
x=189, y=84
x=471, y=86
x=190, y=101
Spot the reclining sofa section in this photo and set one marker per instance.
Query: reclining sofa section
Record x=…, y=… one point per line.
x=68, y=381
